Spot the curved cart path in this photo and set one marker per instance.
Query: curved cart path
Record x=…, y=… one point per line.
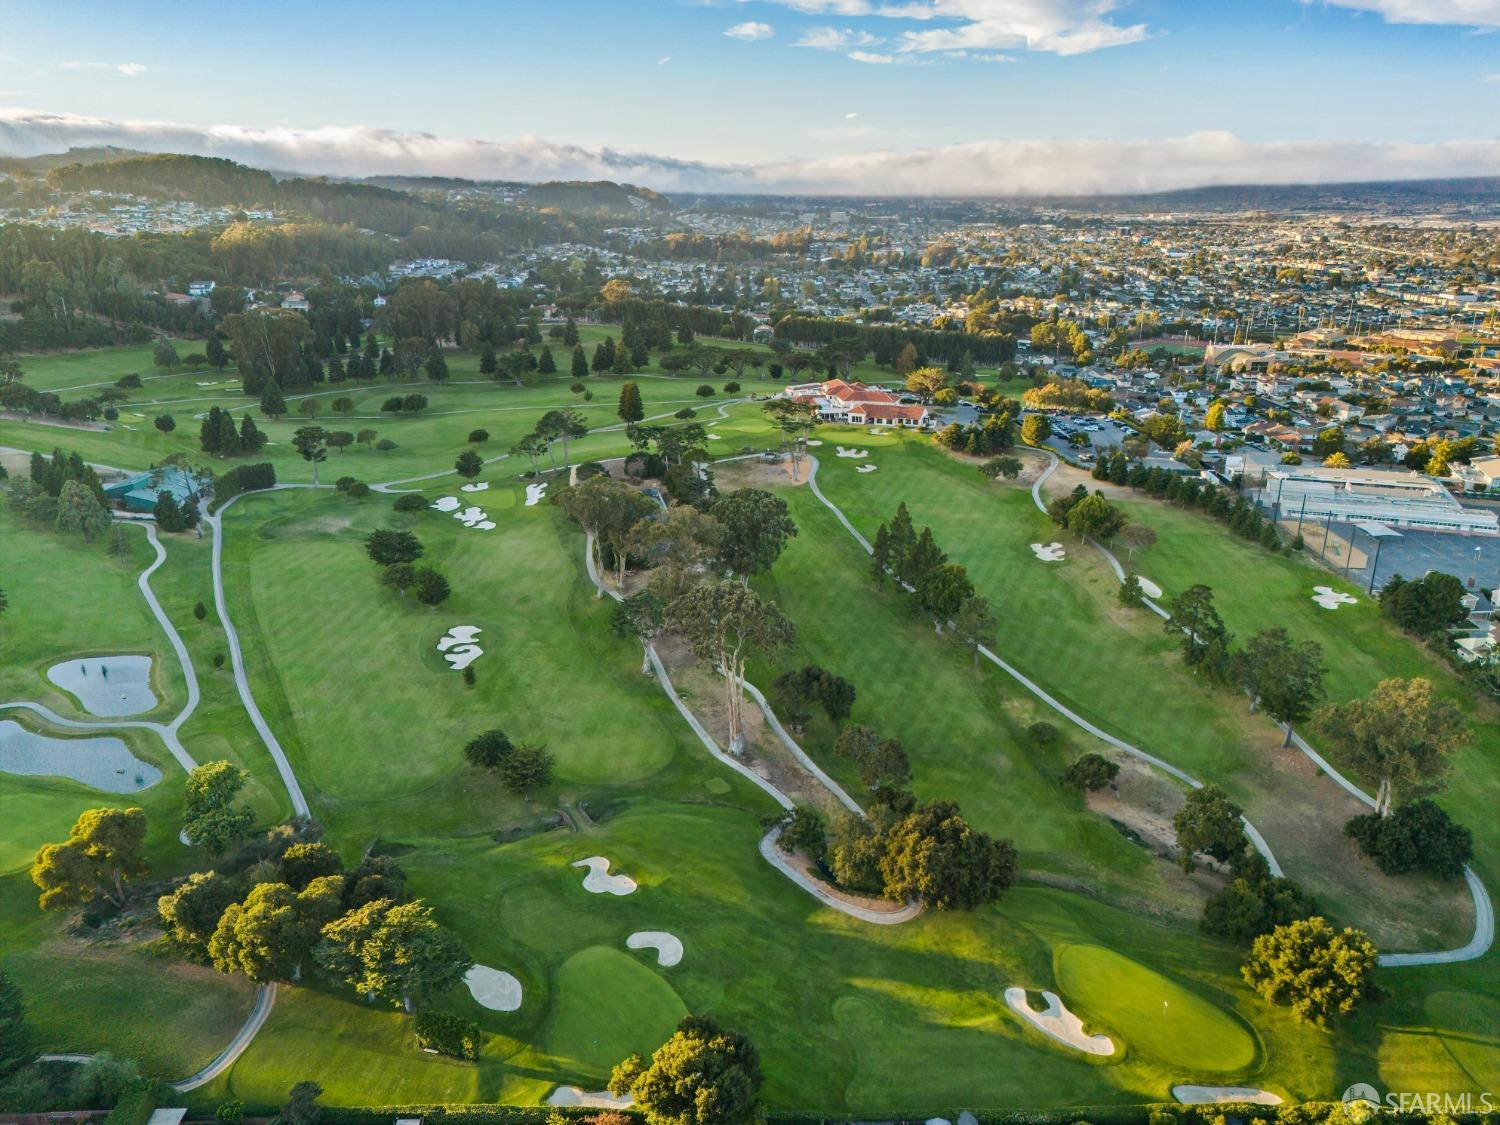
x=167, y=732
x=768, y=848
x=242, y=1038
x=1484, y=911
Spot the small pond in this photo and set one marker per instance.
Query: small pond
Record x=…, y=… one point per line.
x=101, y=762
x=108, y=686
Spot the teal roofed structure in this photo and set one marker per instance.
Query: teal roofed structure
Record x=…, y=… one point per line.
x=139, y=493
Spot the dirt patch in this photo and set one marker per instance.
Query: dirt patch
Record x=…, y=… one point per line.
x=1067, y=477
x=755, y=473
x=321, y=525
x=1032, y=463
x=703, y=692
x=1144, y=802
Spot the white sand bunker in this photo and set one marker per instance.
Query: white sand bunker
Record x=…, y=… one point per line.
x=599, y=881
x=476, y=486
x=876, y=430
x=1059, y=1023
x=865, y=469
x=856, y=454
x=110, y=686
x=714, y=437
x=534, y=494
x=458, y=647
x=104, y=763
x=814, y=441
x=493, y=989
x=446, y=503
x=1049, y=552
x=1329, y=598
x=1216, y=1095
x=668, y=947
x=1148, y=587
x=594, y=1099
x=475, y=518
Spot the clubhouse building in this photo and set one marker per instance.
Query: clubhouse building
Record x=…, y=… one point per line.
x=838, y=400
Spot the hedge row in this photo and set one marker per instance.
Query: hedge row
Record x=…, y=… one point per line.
x=1170, y=1113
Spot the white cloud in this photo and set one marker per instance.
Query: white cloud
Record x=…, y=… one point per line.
x=664, y=60
x=750, y=31
x=1062, y=27
x=1491, y=78
x=872, y=58
x=850, y=116
x=835, y=39
x=128, y=69
x=1461, y=13
x=985, y=168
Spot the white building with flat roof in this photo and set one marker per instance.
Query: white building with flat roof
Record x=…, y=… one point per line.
x=1397, y=499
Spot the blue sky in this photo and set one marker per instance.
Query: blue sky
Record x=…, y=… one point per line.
x=667, y=77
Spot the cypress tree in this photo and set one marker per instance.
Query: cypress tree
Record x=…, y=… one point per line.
x=545, y=363
x=630, y=409
x=228, y=440
x=272, y=404
x=580, y=362
x=604, y=355
x=251, y=439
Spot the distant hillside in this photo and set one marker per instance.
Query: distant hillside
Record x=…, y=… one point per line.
x=40, y=165
x=597, y=197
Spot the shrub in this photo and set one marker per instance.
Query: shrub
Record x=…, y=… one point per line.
x=805, y=832
x=410, y=502
x=1042, y=734
x=479, y=436
x=591, y=469
x=1247, y=908
x=1418, y=836
x=447, y=1034
x=1090, y=772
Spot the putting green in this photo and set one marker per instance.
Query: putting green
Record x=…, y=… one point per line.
x=1151, y=1013
x=609, y=1006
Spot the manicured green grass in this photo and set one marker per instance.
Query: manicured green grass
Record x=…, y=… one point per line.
x=373, y=717
x=1060, y=624
x=1150, y=1013
x=1254, y=588
x=75, y=371
x=609, y=1006
x=972, y=748
x=849, y=1017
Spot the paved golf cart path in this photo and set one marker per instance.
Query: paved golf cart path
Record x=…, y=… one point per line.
x=167, y=732
x=768, y=848
x=1484, y=911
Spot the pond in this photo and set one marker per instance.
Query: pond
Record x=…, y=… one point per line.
x=101, y=762
x=108, y=686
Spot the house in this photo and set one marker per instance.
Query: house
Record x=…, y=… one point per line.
x=200, y=288
x=839, y=400
x=1483, y=474
x=295, y=301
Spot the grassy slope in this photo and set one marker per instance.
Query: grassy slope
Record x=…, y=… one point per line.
x=888, y=1021
x=191, y=1012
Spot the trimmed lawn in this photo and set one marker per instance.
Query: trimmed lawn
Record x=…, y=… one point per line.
x=1060, y=624
x=609, y=1006
x=1150, y=1013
